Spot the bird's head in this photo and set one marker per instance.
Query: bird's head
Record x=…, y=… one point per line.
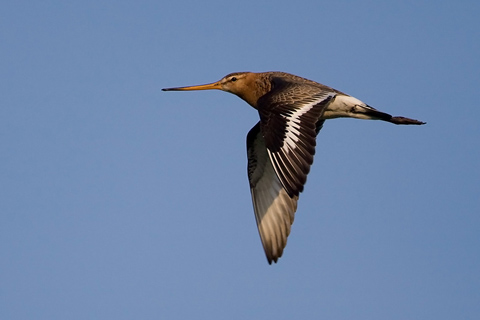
x=238, y=83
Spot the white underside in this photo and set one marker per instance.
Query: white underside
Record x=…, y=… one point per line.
x=344, y=106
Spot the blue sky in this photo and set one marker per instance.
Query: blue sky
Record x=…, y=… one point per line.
x=120, y=201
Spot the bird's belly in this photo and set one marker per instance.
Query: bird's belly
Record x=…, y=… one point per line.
x=344, y=106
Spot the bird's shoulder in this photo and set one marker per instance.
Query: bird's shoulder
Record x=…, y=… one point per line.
x=291, y=90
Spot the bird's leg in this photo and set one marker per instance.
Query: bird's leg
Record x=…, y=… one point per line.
x=403, y=120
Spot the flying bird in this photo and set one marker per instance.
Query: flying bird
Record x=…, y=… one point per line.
x=281, y=146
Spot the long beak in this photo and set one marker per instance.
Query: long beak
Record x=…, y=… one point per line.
x=210, y=86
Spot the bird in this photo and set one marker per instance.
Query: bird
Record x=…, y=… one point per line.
x=281, y=146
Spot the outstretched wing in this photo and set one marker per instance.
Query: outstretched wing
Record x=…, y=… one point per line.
x=290, y=119
x=274, y=208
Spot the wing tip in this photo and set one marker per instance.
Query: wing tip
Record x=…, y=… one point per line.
x=273, y=259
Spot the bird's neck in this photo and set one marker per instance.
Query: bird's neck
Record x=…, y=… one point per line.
x=255, y=89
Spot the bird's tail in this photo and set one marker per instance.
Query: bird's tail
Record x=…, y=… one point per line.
x=344, y=106
x=375, y=114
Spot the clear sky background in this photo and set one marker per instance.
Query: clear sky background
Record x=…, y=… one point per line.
x=120, y=201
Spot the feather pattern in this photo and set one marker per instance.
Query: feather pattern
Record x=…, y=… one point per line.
x=274, y=208
x=289, y=114
x=281, y=146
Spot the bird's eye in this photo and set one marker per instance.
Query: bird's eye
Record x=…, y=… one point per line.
x=233, y=79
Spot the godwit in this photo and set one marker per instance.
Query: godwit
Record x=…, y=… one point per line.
x=280, y=147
